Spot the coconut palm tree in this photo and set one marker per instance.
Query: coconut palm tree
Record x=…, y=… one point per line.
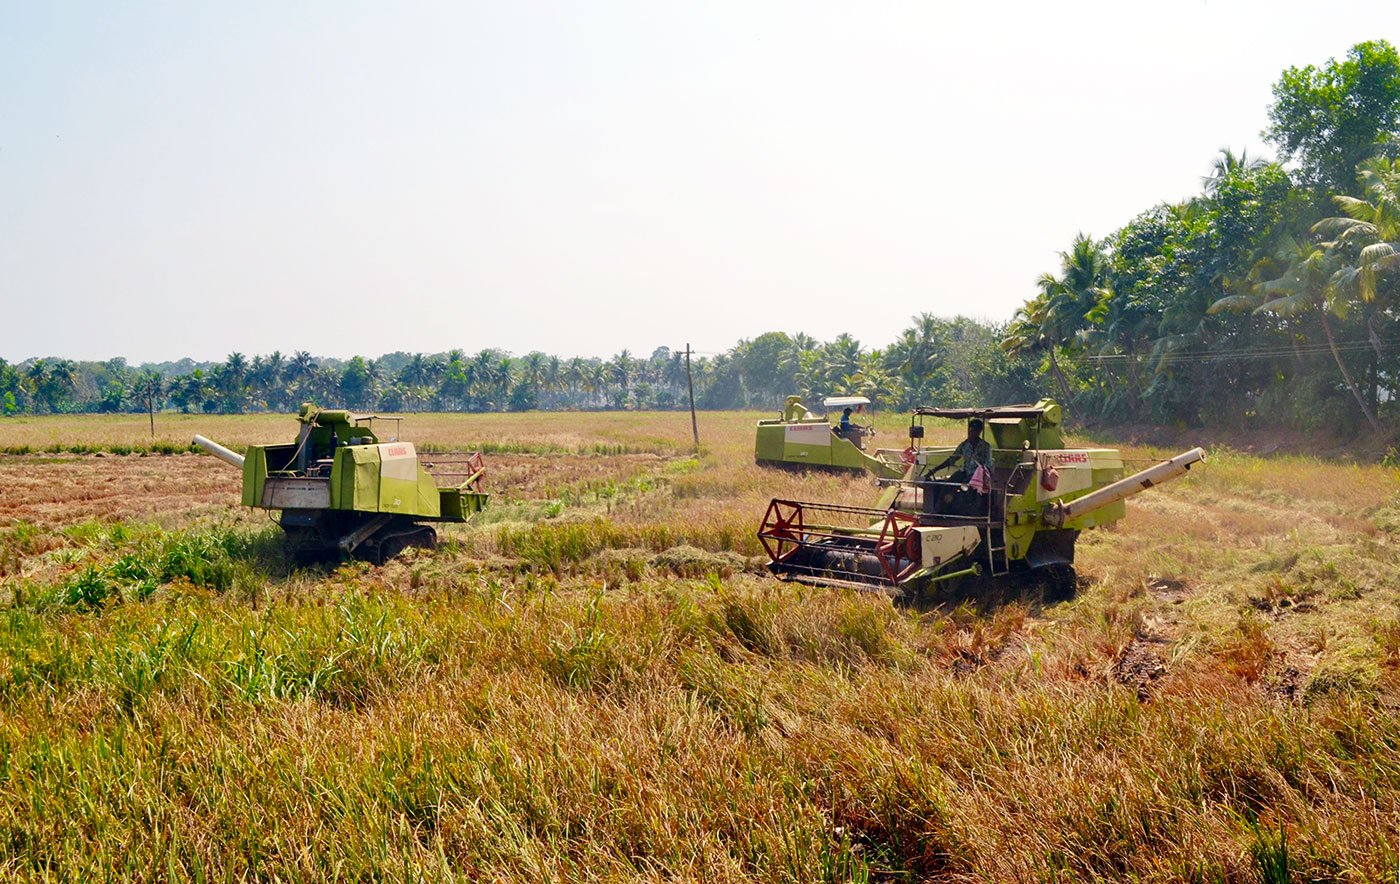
x=300, y=372
x=1369, y=228
x=1226, y=164
x=840, y=358
x=575, y=379
x=415, y=377
x=1066, y=306
x=1037, y=328
x=619, y=375
x=1311, y=285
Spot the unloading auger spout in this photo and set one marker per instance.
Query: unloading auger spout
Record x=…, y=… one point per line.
x=232, y=458
x=1057, y=513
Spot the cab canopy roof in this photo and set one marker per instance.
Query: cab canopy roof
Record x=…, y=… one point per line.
x=844, y=401
x=1041, y=409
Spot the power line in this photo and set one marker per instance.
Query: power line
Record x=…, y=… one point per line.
x=1236, y=354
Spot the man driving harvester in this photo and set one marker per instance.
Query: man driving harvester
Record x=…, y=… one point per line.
x=973, y=451
x=975, y=454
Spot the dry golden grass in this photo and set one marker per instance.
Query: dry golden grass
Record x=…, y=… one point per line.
x=593, y=682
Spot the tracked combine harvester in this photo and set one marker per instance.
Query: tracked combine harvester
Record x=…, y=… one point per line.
x=803, y=441
x=1022, y=515
x=340, y=490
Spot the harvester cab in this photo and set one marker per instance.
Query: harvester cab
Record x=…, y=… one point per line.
x=1017, y=504
x=838, y=439
x=340, y=489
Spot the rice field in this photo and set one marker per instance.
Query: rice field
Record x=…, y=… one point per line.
x=597, y=681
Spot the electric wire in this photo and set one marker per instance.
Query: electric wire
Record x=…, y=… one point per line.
x=1227, y=355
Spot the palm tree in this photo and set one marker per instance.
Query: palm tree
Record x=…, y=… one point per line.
x=575, y=379
x=839, y=359
x=553, y=377
x=1066, y=306
x=598, y=380
x=36, y=380
x=533, y=370
x=1370, y=228
x=301, y=371
x=236, y=366
x=481, y=378
x=188, y=392
x=415, y=377
x=619, y=373
x=504, y=375
x=1036, y=329
x=918, y=354
x=274, y=368
x=232, y=376
x=374, y=377
x=1311, y=285
x=795, y=361
x=1227, y=164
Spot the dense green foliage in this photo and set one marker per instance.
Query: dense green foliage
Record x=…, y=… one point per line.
x=1270, y=298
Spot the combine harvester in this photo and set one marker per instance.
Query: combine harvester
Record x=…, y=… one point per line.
x=342, y=491
x=801, y=440
x=1020, y=517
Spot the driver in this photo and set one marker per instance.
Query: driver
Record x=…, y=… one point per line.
x=973, y=451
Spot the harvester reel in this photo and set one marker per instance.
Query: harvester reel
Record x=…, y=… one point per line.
x=782, y=531
x=895, y=548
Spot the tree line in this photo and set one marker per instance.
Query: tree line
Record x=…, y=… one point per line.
x=934, y=360
x=1271, y=298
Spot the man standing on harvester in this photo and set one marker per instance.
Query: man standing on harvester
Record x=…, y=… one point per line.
x=973, y=451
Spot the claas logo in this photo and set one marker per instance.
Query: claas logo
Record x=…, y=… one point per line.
x=397, y=450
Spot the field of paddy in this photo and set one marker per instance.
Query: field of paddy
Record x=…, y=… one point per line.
x=597, y=680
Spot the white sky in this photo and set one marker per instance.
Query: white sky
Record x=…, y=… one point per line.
x=183, y=179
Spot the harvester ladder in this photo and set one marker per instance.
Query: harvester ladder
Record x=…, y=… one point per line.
x=997, y=562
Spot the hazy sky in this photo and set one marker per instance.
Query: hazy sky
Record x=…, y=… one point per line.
x=188, y=179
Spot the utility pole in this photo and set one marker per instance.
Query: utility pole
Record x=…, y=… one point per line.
x=690, y=387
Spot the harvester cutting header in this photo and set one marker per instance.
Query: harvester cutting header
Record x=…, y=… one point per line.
x=341, y=490
x=1013, y=503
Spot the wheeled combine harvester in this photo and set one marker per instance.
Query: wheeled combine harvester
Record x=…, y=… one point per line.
x=340, y=490
x=926, y=530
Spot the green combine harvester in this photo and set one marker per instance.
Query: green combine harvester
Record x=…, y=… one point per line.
x=1021, y=514
x=801, y=440
x=340, y=490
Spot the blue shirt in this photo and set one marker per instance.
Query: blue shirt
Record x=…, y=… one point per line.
x=974, y=454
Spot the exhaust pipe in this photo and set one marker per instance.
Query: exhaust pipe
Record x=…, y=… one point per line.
x=232, y=458
x=1058, y=512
